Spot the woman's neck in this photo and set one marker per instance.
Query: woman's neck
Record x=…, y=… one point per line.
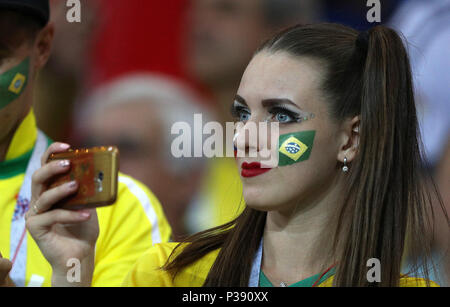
x=298, y=244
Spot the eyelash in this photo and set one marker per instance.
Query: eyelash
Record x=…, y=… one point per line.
x=236, y=112
x=296, y=118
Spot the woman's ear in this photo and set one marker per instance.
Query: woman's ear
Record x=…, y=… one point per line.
x=349, y=139
x=43, y=45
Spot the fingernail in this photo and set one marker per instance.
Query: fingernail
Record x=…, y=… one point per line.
x=72, y=184
x=64, y=163
x=85, y=214
x=64, y=146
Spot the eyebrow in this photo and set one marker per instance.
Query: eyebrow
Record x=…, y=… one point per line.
x=278, y=101
x=269, y=102
x=240, y=100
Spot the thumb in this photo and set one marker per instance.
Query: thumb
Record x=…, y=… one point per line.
x=5, y=268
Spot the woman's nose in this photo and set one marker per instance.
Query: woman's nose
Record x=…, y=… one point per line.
x=252, y=138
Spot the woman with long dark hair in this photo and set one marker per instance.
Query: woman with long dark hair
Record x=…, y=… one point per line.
x=349, y=191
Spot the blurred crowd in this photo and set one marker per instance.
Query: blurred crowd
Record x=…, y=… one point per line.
x=131, y=69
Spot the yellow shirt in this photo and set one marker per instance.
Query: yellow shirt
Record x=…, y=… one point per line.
x=220, y=198
x=147, y=273
x=127, y=229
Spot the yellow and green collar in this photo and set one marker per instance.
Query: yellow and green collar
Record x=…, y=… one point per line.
x=21, y=147
x=308, y=282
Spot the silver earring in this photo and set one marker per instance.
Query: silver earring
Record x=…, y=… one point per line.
x=345, y=167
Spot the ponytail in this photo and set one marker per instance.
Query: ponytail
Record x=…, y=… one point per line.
x=387, y=188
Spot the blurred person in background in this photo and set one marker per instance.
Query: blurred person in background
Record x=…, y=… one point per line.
x=127, y=228
x=136, y=112
x=426, y=29
x=224, y=34
x=222, y=37
x=62, y=81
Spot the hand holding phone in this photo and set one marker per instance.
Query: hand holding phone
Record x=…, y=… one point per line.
x=96, y=172
x=67, y=234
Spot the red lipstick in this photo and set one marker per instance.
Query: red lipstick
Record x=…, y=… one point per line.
x=253, y=169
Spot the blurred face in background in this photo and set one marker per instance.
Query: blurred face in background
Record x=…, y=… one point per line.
x=136, y=129
x=73, y=39
x=223, y=36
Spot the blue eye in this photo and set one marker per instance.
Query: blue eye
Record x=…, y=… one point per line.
x=283, y=118
x=244, y=116
x=240, y=112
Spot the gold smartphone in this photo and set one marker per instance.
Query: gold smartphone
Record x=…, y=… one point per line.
x=96, y=171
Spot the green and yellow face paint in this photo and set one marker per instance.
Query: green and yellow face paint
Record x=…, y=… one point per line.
x=295, y=147
x=13, y=83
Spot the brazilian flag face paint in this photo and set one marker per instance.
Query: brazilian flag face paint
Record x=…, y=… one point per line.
x=13, y=83
x=295, y=147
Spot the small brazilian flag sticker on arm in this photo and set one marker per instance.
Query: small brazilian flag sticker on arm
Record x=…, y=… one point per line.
x=295, y=147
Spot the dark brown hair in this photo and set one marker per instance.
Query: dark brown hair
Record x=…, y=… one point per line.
x=16, y=28
x=388, y=198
